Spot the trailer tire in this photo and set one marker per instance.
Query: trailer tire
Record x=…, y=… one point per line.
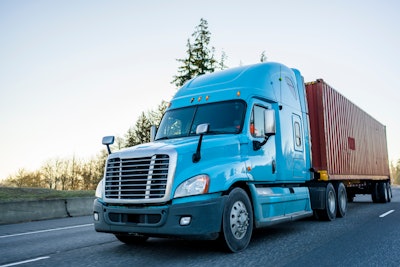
x=389, y=192
x=382, y=192
x=131, y=239
x=374, y=192
x=329, y=212
x=237, y=221
x=341, y=197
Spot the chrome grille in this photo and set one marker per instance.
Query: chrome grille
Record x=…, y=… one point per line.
x=137, y=178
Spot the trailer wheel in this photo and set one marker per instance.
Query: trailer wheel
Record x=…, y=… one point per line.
x=374, y=192
x=383, y=193
x=131, y=239
x=341, y=200
x=237, y=221
x=329, y=212
x=389, y=192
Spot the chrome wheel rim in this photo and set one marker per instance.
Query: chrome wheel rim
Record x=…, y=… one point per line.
x=239, y=220
x=331, y=201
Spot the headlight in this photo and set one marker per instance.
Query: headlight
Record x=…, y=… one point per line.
x=193, y=186
x=99, y=189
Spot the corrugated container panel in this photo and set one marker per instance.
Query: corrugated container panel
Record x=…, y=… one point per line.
x=346, y=141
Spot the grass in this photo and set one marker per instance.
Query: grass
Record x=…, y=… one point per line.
x=9, y=194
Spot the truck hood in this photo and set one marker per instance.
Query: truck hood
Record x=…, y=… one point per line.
x=158, y=147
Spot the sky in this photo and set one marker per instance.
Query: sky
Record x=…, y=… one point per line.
x=74, y=71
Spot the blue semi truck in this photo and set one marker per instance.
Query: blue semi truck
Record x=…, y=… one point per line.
x=235, y=151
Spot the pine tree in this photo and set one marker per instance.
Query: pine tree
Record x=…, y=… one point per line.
x=155, y=116
x=204, y=60
x=221, y=63
x=263, y=57
x=140, y=133
x=200, y=57
x=187, y=70
x=130, y=137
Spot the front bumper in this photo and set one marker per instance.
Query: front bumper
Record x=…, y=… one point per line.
x=162, y=221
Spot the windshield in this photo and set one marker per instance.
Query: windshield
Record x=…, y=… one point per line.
x=223, y=117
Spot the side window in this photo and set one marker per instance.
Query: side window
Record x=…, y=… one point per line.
x=257, y=122
x=290, y=83
x=298, y=138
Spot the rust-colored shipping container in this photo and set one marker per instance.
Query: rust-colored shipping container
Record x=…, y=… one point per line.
x=347, y=142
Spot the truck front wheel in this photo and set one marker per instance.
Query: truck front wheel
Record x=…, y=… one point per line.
x=237, y=221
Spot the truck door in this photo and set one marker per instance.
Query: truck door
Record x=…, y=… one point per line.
x=299, y=161
x=262, y=161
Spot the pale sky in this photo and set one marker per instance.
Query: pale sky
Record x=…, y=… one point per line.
x=74, y=71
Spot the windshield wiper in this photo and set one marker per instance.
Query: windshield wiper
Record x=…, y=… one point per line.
x=162, y=138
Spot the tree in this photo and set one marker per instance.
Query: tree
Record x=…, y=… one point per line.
x=155, y=116
x=20, y=180
x=222, y=61
x=204, y=60
x=64, y=174
x=140, y=133
x=187, y=70
x=263, y=57
x=395, y=172
x=50, y=171
x=200, y=57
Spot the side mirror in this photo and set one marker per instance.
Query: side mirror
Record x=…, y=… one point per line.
x=201, y=129
x=153, y=132
x=269, y=128
x=108, y=140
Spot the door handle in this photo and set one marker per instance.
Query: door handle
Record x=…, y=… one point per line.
x=273, y=166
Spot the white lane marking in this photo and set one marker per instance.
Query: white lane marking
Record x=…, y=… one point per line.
x=386, y=213
x=47, y=230
x=26, y=261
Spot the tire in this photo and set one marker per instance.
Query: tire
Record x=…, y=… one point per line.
x=131, y=239
x=389, y=192
x=382, y=192
x=329, y=213
x=374, y=192
x=341, y=202
x=237, y=221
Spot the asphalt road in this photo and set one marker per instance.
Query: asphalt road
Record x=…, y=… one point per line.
x=369, y=235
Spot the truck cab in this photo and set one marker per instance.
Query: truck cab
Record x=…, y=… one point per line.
x=232, y=152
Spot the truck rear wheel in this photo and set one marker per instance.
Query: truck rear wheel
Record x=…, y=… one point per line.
x=389, y=192
x=237, y=221
x=374, y=192
x=341, y=200
x=329, y=212
x=383, y=192
x=131, y=239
